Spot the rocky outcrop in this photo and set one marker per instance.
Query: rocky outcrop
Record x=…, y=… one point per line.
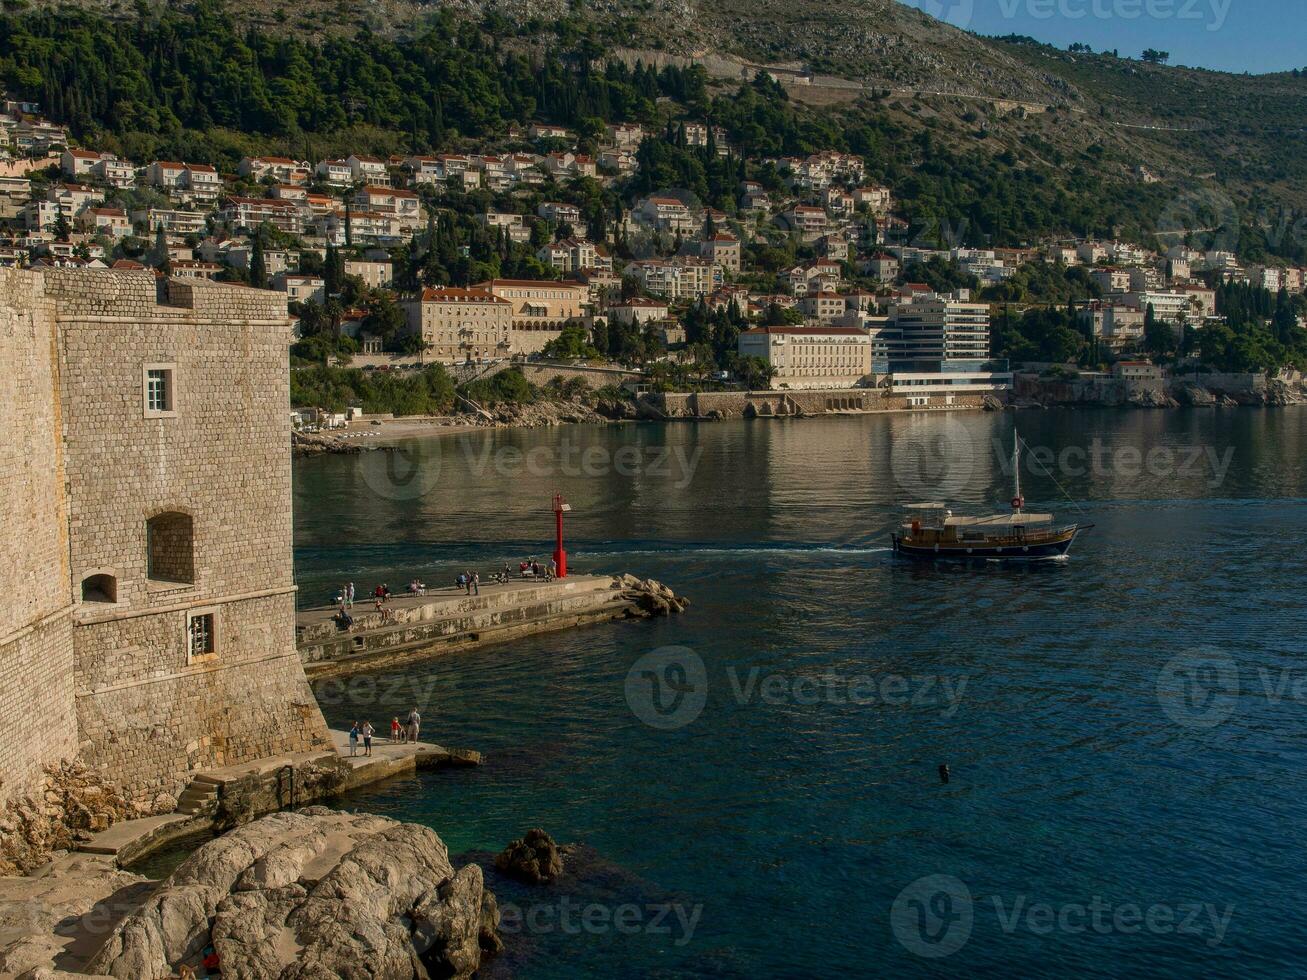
x=991, y=404
x=617, y=409
x=64, y=914
x=1192, y=394
x=534, y=858
x=317, y=893
x=319, y=444
x=1149, y=397
x=545, y=413
x=651, y=598
x=73, y=804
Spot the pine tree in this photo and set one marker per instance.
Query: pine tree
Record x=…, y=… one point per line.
x=258, y=269
x=160, y=255
x=331, y=272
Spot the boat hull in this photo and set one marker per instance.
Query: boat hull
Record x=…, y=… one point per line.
x=1045, y=550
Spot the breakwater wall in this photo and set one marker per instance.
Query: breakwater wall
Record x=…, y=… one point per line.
x=418, y=627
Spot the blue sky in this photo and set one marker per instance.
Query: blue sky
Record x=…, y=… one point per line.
x=1230, y=35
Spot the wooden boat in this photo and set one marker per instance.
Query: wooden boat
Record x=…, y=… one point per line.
x=933, y=533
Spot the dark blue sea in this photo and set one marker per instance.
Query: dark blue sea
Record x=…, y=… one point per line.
x=754, y=786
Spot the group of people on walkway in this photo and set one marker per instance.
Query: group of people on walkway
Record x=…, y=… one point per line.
x=530, y=568
x=399, y=733
x=467, y=580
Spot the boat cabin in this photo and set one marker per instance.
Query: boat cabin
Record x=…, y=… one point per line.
x=933, y=523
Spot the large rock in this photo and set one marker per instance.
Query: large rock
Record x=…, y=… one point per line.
x=316, y=893
x=534, y=858
x=1193, y=394
x=651, y=598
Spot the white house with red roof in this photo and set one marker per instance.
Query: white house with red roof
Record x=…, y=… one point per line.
x=369, y=169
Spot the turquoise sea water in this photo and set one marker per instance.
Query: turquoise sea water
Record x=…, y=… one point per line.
x=1124, y=731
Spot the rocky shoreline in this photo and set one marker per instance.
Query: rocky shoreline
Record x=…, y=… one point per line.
x=1180, y=392
x=1183, y=391
x=535, y=415
x=294, y=895
x=313, y=893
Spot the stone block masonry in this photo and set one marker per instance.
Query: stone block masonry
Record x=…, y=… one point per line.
x=148, y=517
x=36, y=652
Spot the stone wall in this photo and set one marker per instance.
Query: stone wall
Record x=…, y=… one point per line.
x=36, y=653
x=149, y=720
x=781, y=404
x=152, y=703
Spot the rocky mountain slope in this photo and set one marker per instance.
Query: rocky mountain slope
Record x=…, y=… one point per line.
x=1237, y=142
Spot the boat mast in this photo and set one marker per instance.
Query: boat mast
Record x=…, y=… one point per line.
x=1017, y=501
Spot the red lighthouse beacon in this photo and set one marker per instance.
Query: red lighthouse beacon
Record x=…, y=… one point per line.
x=560, y=556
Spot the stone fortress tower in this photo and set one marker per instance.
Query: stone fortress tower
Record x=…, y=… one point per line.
x=147, y=624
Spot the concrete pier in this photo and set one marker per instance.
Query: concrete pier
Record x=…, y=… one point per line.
x=416, y=627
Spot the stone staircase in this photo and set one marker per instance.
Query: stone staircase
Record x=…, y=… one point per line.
x=201, y=796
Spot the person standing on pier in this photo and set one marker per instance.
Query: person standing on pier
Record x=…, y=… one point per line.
x=414, y=723
x=354, y=739
x=349, y=595
x=394, y=729
x=476, y=583
x=367, y=738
